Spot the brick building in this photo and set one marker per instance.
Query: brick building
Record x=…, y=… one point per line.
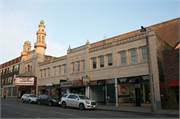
x=171, y=77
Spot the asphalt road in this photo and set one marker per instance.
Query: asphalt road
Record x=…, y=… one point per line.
x=13, y=109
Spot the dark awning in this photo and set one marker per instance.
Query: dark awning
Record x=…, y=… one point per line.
x=174, y=83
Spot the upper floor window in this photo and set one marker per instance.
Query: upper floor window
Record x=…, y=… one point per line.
x=10, y=80
x=49, y=72
x=78, y=66
x=83, y=64
x=65, y=69
x=133, y=55
x=94, y=63
x=39, y=38
x=44, y=72
x=11, y=69
x=101, y=61
x=6, y=80
x=123, y=57
x=144, y=53
x=55, y=71
x=110, y=62
x=41, y=73
x=73, y=67
x=59, y=70
x=2, y=81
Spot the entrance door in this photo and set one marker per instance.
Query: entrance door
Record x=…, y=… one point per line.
x=138, y=97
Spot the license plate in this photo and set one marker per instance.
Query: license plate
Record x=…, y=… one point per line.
x=94, y=106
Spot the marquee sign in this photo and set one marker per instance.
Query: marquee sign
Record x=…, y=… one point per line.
x=23, y=81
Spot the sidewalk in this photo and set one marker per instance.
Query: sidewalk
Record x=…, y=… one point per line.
x=122, y=109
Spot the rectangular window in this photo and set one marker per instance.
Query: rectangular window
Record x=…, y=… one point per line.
x=45, y=73
x=6, y=81
x=73, y=67
x=83, y=64
x=59, y=70
x=94, y=63
x=2, y=81
x=55, y=71
x=144, y=53
x=101, y=61
x=110, y=60
x=49, y=72
x=78, y=66
x=123, y=57
x=10, y=80
x=41, y=73
x=133, y=56
x=65, y=69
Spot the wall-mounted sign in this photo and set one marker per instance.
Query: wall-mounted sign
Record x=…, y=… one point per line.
x=123, y=90
x=145, y=77
x=110, y=81
x=51, y=84
x=66, y=84
x=77, y=83
x=137, y=85
x=85, y=81
x=122, y=80
x=23, y=81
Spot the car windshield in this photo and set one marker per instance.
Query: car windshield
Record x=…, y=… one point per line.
x=83, y=97
x=52, y=97
x=32, y=95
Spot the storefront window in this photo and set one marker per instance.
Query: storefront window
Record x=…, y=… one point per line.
x=146, y=92
x=14, y=91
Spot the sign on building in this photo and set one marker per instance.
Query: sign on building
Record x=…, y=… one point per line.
x=23, y=81
x=85, y=81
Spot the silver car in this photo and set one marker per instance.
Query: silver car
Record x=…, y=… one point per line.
x=77, y=100
x=29, y=98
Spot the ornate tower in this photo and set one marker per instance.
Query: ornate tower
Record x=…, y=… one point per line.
x=26, y=49
x=40, y=44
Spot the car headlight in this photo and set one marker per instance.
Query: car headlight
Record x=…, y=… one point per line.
x=88, y=102
x=54, y=100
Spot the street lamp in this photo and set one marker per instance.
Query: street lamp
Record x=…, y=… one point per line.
x=144, y=30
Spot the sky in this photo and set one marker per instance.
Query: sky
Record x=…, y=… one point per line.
x=73, y=22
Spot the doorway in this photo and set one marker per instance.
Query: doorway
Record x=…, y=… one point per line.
x=138, y=97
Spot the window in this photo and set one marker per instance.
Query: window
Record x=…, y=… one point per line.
x=94, y=63
x=10, y=80
x=2, y=81
x=6, y=81
x=177, y=96
x=28, y=68
x=41, y=73
x=133, y=56
x=144, y=53
x=78, y=66
x=65, y=69
x=123, y=57
x=39, y=38
x=101, y=61
x=71, y=96
x=45, y=73
x=11, y=69
x=83, y=64
x=54, y=71
x=59, y=70
x=110, y=60
x=42, y=39
x=73, y=67
x=49, y=72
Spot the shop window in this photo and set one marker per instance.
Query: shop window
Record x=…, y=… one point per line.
x=65, y=69
x=49, y=72
x=123, y=57
x=73, y=65
x=110, y=62
x=94, y=63
x=78, y=66
x=177, y=96
x=144, y=53
x=83, y=64
x=133, y=55
x=55, y=71
x=59, y=70
x=44, y=72
x=101, y=61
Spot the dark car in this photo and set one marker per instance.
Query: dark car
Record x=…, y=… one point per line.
x=46, y=99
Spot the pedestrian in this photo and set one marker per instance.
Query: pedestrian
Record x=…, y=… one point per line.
x=165, y=97
x=4, y=95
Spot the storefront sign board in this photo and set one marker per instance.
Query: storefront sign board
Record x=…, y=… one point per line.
x=122, y=80
x=66, y=84
x=110, y=81
x=77, y=83
x=51, y=84
x=93, y=82
x=85, y=81
x=145, y=77
x=23, y=81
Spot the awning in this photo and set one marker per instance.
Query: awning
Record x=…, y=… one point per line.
x=174, y=83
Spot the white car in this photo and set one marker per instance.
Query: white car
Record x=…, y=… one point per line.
x=29, y=98
x=77, y=100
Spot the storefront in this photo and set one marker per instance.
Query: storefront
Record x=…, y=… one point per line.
x=103, y=91
x=25, y=84
x=134, y=91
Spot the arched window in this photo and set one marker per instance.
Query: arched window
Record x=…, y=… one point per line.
x=39, y=38
x=42, y=39
x=28, y=68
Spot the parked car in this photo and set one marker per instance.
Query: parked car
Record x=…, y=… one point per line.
x=28, y=98
x=46, y=99
x=78, y=101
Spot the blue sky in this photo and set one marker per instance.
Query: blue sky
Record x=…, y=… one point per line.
x=72, y=22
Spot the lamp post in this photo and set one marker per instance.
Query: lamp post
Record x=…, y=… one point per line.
x=144, y=30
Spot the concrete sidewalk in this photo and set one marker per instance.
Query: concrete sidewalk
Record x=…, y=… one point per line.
x=125, y=109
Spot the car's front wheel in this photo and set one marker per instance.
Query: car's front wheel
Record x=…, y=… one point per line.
x=81, y=106
x=39, y=103
x=50, y=103
x=63, y=104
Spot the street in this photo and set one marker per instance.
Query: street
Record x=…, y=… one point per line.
x=14, y=109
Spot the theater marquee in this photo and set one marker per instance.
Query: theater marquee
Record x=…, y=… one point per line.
x=23, y=81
